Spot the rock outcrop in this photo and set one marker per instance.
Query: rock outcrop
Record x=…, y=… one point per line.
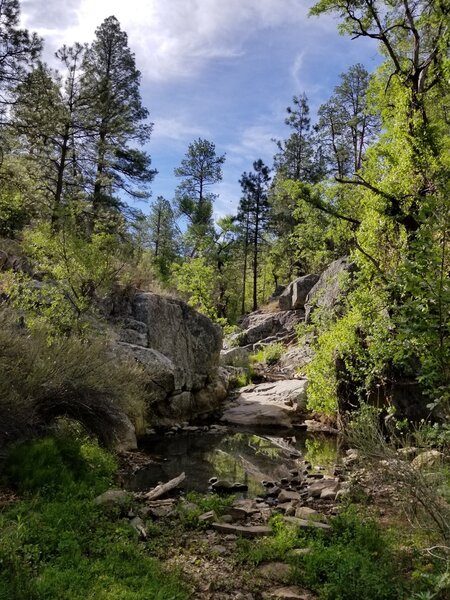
x=331, y=287
x=179, y=350
x=261, y=328
x=278, y=404
x=294, y=296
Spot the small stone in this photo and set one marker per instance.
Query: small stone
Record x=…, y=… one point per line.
x=208, y=517
x=289, y=593
x=112, y=498
x=288, y=496
x=427, y=459
x=138, y=525
x=304, y=512
x=218, y=549
x=250, y=532
x=300, y=551
x=307, y=523
x=274, y=571
x=328, y=494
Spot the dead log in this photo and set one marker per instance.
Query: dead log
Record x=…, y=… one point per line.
x=163, y=488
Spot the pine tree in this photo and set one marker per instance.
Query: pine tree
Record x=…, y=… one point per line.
x=18, y=51
x=254, y=209
x=162, y=234
x=346, y=125
x=115, y=120
x=200, y=169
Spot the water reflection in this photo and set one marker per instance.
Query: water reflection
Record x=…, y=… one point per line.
x=244, y=457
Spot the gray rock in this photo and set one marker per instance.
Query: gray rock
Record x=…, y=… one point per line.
x=287, y=496
x=294, y=296
x=307, y=524
x=249, y=532
x=304, y=512
x=178, y=349
x=315, y=489
x=274, y=571
x=427, y=459
x=295, y=358
x=262, y=326
x=138, y=525
x=289, y=593
x=234, y=357
x=208, y=517
x=278, y=403
x=112, y=498
x=328, y=292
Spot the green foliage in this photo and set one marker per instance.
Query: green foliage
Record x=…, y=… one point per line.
x=59, y=464
x=63, y=546
x=72, y=376
x=359, y=339
x=355, y=561
x=269, y=354
x=198, y=504
x=198, y=280
x=13, y=213
x=76, y=273
x=275, y=547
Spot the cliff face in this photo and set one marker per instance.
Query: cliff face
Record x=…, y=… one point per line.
x=179, y=349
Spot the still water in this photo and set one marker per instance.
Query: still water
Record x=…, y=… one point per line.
x=236, y=456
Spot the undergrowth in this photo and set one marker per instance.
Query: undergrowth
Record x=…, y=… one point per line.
x=56, y=543
x=198, y=504
x=269, y=354
x=356, y=560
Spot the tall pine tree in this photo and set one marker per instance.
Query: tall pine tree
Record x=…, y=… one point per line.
x=253, y=212
x=115, y=119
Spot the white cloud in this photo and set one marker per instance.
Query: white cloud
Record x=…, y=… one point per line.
x=171, y=38
x=255, y=142
x=297, y=68
x=177, y=130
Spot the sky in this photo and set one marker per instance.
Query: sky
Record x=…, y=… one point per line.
x=223, y=70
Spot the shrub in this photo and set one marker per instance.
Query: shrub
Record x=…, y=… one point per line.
x=199, y=504
x=79, y=378
x=355, y=561
x=275, y=547
x=269, y=354
x=422, y=491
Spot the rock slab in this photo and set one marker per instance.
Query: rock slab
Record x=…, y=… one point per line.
x=279, y=403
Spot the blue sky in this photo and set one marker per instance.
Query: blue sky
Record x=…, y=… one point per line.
x=224, y=70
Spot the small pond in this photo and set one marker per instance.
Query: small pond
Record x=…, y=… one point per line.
x=236, y=456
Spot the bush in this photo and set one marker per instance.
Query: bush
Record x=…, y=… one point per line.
x=79, y=378
x=275, y=547
x=199, y=504
x=269, y=354
x=422, y=491
x=355, y=561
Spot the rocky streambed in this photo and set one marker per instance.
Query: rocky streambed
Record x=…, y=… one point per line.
x=242, y=460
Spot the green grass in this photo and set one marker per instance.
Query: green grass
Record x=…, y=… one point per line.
x=198, y=504
x=269, y=354
x=355, y=561
x=57, y=544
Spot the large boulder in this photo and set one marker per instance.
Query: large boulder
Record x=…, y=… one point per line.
x=279, y=404
x=179, y=350
x=294, y=296
x=267, y=327
x=331, y=288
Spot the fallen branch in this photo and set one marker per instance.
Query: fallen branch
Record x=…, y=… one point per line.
x=162, y=489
